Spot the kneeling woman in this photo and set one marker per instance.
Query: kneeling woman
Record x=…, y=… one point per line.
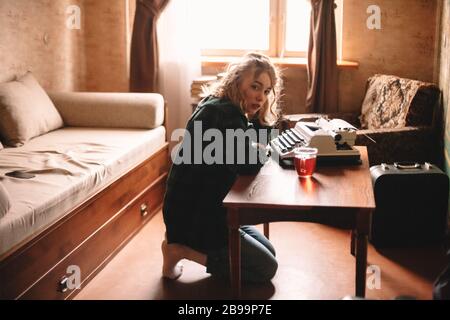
x=245, y=99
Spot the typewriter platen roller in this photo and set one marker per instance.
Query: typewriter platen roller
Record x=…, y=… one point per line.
x=334, y=140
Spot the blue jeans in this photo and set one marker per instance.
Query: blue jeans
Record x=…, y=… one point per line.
x=258, y=263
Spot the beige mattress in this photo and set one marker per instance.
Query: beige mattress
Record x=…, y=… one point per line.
x=70, y=165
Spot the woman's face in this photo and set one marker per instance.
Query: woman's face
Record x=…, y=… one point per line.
x=255, y=92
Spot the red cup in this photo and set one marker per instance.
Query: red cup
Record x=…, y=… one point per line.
x=305, y=161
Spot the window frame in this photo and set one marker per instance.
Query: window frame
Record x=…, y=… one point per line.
x=277, y=33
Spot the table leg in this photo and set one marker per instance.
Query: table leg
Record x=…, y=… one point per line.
x=352, y=243
x=361, y=265
x=234, y=253
x=266, y=230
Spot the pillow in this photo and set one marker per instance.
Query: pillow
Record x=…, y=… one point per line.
x=26, y=111
x=110, y=109
x=393, y=102
x=4, y=201
x=1, y=146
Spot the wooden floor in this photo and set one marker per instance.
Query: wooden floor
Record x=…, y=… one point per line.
x=314, y=263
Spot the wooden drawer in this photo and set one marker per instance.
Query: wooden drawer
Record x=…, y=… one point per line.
x=20, y=270
x=91, y=256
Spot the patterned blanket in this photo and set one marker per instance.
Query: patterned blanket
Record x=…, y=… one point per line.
x=393, y=102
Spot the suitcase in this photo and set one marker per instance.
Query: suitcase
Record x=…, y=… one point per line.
x=411, y=204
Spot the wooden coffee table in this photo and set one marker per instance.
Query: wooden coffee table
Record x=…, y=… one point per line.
x=340, y=196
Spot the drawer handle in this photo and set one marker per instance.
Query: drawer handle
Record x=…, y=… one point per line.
x=62, y=285
x=144, y=211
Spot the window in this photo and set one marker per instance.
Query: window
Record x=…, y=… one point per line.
x=279, y=28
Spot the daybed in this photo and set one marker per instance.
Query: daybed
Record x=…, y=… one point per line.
x=99, y=176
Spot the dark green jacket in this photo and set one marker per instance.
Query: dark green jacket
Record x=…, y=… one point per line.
x=193, y=210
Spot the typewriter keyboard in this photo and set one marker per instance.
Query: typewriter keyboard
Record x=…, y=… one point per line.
x=288, y=140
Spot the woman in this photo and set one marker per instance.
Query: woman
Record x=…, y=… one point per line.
x=193, y=212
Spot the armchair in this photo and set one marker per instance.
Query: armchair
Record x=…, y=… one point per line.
x=401, y=116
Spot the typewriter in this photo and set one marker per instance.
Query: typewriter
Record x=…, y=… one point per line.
x=334, y=140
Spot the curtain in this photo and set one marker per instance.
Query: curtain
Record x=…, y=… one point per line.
x=322, y=95
x=144, y=46
x=180, y=63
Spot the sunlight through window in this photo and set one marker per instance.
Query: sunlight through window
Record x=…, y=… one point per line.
x=233, y=24
x=297, y=25
x=279, y=28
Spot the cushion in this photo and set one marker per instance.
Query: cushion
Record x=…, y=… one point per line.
x=393, y=102
x=110, y=109
x=4, y=201
x=26, y=111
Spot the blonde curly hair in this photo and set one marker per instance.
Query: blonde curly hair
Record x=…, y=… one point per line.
x=229, y=85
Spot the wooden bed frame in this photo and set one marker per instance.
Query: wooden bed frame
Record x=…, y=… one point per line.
x=88, y=237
